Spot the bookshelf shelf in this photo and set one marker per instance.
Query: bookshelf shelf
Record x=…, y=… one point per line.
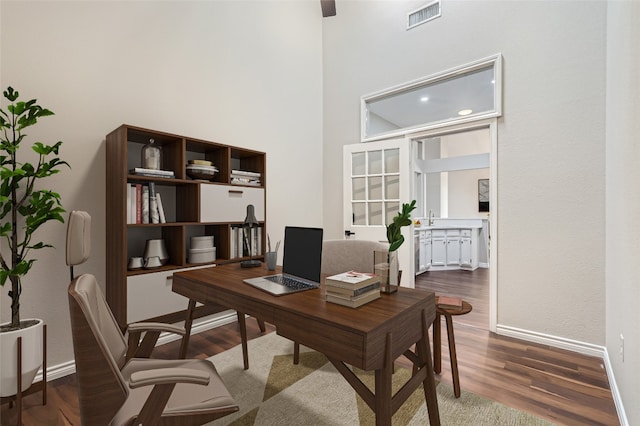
x=191, y=207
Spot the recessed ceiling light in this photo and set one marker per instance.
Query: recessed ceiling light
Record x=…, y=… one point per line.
x=424, y=99
x=465, y=111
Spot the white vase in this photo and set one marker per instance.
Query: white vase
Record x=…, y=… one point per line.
x=31, y=357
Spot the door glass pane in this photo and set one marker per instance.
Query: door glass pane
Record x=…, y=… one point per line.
x=392, y=161
x=358, y=163
x=470, y=90
x=359, y=213
x=392, y=187
x=375, y=214
x=358, y=188
x=375, y=162
x=391, y=209
x=375, y=188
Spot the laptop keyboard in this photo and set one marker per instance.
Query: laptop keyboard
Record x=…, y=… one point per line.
x=289, y=282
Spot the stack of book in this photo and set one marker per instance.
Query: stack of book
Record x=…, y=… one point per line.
x=168, y=174
x=243, y=177
x=352, y=288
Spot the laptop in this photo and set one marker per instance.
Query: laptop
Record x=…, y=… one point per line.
x=301, y=263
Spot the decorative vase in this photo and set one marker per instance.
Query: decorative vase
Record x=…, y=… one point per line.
x=31, y=356
x=151, y=156
x=385, y=265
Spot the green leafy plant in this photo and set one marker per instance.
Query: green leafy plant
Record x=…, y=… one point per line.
x=23, y=207
x=394, y=232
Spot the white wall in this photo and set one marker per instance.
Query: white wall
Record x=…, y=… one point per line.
x=240, y=73
x=623, y=200
x=550, y=138
x=463, y=194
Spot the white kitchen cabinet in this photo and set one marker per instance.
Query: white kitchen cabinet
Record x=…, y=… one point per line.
x=446, y=249
x=438, y=248
x=423, y=251
x=453, y=247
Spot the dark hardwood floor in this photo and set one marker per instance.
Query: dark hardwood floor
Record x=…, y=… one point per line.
x=561, y=386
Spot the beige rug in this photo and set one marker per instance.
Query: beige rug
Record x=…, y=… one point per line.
x=275, y=392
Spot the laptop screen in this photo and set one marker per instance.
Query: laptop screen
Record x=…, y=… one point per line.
x=302, y=252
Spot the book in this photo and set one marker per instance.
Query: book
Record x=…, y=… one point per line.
x=448, y=302
x=245, y=173
x=351, y=280
x=154, y=217
x=354, y=302
x=128, y=203
x=138, y=203
x=341, y=291
x=161, y=216
x=151, y=172
x=132, y=203
x=145, y=204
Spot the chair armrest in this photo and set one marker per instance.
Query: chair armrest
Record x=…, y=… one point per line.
x=163, y=376
x=155, y=326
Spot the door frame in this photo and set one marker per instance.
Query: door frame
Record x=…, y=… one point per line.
x=492, y=125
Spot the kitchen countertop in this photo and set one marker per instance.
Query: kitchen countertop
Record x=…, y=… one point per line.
x=427, y=228
x=441, y=223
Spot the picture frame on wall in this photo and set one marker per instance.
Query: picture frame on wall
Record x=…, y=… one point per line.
x=483, y=195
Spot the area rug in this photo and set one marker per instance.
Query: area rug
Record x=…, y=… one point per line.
x=274, y=391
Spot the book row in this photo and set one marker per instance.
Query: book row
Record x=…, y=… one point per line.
x=245, y=241
x=144, y=204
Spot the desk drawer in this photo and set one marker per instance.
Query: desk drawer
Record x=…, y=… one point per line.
x=331, y=341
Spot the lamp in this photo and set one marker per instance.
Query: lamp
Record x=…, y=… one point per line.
x=249, y=224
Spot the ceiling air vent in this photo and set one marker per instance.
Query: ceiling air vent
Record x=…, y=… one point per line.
x=424, y=14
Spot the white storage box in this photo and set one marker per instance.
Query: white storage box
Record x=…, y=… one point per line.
x=202, y=242
x=204, y=255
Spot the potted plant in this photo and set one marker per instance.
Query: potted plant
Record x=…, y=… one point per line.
x=387, y=262
x=24, y=208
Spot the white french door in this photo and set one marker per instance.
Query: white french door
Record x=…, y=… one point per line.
x=377, y=182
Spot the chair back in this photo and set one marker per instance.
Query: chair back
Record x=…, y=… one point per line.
x=99, y=350
x=345, y=255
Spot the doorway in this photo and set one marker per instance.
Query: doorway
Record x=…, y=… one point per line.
x=451, y=168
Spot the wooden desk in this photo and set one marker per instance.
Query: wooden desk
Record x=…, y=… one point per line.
x=370, y=337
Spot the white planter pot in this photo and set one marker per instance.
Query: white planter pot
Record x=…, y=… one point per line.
x=31, y=357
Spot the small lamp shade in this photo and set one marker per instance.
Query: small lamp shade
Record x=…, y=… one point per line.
x=250, y=221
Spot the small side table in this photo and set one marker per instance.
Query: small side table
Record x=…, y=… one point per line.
x=448, y=313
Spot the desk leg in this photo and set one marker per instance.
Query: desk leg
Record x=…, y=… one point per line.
x=383, y=394
x=187, y=328
x=437, y=348
x=429, y=384
x=243, y=336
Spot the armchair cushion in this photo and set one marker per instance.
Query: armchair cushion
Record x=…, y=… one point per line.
x=185, y=398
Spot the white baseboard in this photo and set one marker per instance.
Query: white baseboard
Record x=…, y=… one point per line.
x=574, y=346
x=615, y=392
x=64, y=369
x=555, y=341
